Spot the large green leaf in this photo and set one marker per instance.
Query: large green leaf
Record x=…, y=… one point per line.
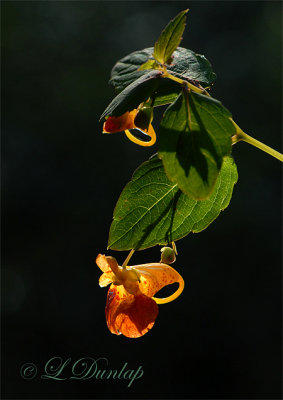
x=186, y=65
x=170, y=39
x=153, y=211
x=133, y=95
x=167, y=93
x=194, y=136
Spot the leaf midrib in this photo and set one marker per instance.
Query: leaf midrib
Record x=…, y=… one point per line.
x=148, y=210
x=168, y=42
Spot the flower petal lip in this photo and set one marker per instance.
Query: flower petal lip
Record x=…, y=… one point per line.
x=130, y=315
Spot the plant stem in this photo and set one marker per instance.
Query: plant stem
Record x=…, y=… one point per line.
x=125, y=263
x=240, y=135
x=181, y=81
x=261, y=146
x=174, y=248
x=185, y=91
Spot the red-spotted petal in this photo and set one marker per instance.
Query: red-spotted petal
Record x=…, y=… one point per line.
x=130, y=315
x=154, y=277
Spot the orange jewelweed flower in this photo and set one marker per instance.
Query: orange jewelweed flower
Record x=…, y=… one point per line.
x=131, y=309
x=136, y=119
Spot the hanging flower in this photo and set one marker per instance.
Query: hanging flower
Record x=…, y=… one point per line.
x=131, y=309
x=136, y=119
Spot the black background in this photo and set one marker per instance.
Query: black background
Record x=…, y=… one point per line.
x=61, y=179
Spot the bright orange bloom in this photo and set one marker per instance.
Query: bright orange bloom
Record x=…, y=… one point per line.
x=127, y=121
x=131, y=309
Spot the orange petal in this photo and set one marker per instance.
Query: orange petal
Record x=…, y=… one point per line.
x=154, y=277
x=107, y=264
x=127, y=314
x=103, y=263
x=106, y=278
x=119, y=124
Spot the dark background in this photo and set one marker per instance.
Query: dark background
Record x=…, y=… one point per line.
x=61, y=179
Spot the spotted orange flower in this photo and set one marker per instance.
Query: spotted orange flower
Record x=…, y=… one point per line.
x=136, y=119
x=131, y=309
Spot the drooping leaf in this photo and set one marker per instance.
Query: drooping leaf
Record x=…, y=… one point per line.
x=186, y=65
x=194, y=136
x=152, y=210
x=170, y=39
x=134, y=94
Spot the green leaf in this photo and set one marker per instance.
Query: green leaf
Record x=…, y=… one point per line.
x=170, y=39
x=186, y=65
x=133, y=95
x=167, y=92
x=194, y=136
x=154, y=211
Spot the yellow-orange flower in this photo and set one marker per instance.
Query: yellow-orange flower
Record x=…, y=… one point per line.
x=131, y=120
x=131, y=309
